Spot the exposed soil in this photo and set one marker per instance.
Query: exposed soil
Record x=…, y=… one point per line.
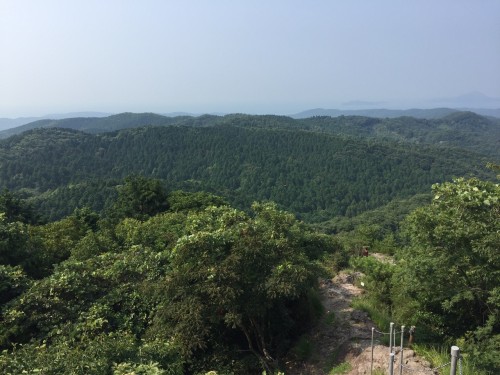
x=344, y=335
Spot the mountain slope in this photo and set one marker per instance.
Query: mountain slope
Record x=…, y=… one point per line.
x=316, y=175
x=465, y=130
x=459, y=129
x=8, y=123
x=94, y=124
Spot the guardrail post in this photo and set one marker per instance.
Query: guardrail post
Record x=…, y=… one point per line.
x=455, y=354
x=371, y=366
x=391, y=363
x=391, y=329
x=401, y=351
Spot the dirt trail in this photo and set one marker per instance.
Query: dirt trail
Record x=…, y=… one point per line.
x=344, y=335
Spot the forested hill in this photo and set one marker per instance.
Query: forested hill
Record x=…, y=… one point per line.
x=460, y=129
x=96, y=124
x=313, y=174
x=465, y=130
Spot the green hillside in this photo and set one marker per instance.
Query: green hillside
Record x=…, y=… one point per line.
x=313, y=174
x=465, y=130
x=95, y=124
x=459, y=129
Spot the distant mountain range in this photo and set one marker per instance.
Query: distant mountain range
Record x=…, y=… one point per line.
x=94, y=124
x=432, y=113
x=466, y=130
x=9, y=126
x=8, y=123
x=428, y=109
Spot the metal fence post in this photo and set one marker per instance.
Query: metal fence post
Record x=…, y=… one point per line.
x=401, y=351
x=455, y=354
x=391, y=363
x=371, y=366
x=391, y=327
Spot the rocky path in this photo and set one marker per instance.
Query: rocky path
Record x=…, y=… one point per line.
x=344, y=335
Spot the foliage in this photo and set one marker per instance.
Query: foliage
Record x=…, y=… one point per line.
x=16, y=209
x=378, y=277
x=447, y=278
x=137, y=369
x=460, y=129
x=184, y=291
x=378, y=229
x=483, y=344
x=456, y=240
x=343, y=368
x=378, y=312
x=140, y=197
x=440, y=355
x=13, y=281
x=52, y=243
x=313, y=174
x=332, y=263
x=185, y=201
x=83, y=357
x=13, y=242
x=37, y=248
x=240, y=277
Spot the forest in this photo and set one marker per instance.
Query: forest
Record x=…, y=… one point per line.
x=195, y=244
x=317, y=173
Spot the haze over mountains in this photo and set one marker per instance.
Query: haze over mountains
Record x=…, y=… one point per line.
x=433, y=108
x=8, y=123
x=428, y=109
x=381, y=113
x=457, y=142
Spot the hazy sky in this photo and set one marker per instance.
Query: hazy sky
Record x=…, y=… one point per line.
x=258, y=56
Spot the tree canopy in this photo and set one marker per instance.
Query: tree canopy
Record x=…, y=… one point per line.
x=315, y=175
x=202, y=287
x=448, y=277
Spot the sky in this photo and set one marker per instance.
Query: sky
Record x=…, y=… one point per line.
x=259, y=56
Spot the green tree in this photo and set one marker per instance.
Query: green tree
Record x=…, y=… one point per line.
x=184, y=201
x=448, y=277
x=86, y=316
x=140, y=197
x=239, y=282
x=13, y=281
x=16, y=209
x=14, y=239
x=52, y=243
